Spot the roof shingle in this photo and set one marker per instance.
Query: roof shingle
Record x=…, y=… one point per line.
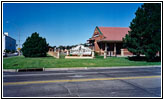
x=114, y=33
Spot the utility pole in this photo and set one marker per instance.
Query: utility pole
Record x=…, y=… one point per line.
x=19, y=43
x=18, y=36
x=19, y=39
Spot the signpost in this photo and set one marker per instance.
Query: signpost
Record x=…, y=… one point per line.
x=19, y=51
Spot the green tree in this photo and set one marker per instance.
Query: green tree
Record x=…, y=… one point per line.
x=152, y=36
x=68, y=47
x=144, y=36
x=35, y=46
x=61, y=47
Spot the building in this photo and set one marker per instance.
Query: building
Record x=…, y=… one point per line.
x=109, y=39
x=8, y=42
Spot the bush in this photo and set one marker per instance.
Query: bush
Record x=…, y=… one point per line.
x=35, y=46
x=12, y=51
x=97, y=54
x=7, y=51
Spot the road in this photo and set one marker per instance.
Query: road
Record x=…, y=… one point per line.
x=119, y=82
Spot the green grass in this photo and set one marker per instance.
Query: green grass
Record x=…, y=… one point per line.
x=20, y=62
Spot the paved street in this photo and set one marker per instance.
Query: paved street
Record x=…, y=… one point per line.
x=119, y=82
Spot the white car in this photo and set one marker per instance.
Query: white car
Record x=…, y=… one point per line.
x=16, y=53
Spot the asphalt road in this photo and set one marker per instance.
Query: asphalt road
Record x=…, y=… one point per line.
x=120, y=82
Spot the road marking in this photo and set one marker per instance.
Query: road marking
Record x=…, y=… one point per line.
x=77, y=80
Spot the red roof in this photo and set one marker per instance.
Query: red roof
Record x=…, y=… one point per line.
x=114, y=33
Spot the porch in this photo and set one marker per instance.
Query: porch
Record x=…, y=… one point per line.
x=112, y=48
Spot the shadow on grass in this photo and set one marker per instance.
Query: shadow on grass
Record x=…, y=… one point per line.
x=99, y=57
x=40, y=57
x=143, y=58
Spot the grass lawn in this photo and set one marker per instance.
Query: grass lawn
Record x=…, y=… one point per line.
x=20, y=62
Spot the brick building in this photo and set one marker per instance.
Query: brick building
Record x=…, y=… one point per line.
x=109, y=39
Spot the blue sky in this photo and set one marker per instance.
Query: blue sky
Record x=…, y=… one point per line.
x=64, y=23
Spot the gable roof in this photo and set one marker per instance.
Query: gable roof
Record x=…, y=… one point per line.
x=113, y=33
x=8, y=37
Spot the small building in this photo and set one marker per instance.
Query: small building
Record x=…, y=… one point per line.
x=8, y=42
x=109, y=39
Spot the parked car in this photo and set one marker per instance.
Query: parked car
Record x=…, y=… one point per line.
x=16, y=53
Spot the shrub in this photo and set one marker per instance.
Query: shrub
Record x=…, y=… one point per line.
x=97, y=54
x=12, y=51
x=7, y=51
x=35, y=46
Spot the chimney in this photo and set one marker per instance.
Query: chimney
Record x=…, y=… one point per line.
x=6, y=33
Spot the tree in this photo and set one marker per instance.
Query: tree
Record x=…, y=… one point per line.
x=144, y=36
x=68, y=47
x=35, y=46
x=61, y=47
x=153, y=30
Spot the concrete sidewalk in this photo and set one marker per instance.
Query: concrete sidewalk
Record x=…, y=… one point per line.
x=84, y=68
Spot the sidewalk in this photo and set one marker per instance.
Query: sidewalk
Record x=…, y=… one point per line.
x=84, y=68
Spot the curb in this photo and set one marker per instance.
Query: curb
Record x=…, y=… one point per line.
x=87, y=68
x=58, y=69
x=10, y=70
x=84, y=68
x=117, y=67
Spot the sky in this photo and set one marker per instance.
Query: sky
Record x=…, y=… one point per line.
x=64, y=23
